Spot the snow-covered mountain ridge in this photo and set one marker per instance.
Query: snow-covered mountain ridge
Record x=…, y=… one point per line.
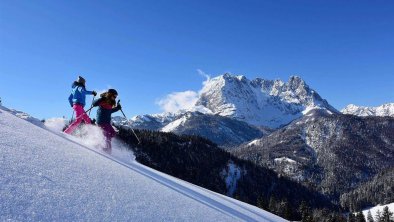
x=233, y=109
x=260, y=102
x=46, y=176
x=222, y=130
x=383, y=110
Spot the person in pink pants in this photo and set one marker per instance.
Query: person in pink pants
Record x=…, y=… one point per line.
x=77, y=102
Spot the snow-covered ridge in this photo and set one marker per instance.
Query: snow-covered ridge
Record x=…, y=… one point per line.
x=383, y=110
x=260, y=102
x=47, y=176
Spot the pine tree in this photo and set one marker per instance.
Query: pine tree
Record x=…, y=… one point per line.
x=360, y=217
x=285, y=209
x=272, y=204
x=387, y=216
x=306, y=213
x=369, y=217
x=378, y=216
x=351, y=217
x=261, y=203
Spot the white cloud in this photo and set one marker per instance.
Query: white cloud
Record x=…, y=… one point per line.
x=207, y=76
x=186, y=100
x=178, y=100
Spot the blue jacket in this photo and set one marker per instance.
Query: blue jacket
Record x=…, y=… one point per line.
x=78, y=94
x=104, y=111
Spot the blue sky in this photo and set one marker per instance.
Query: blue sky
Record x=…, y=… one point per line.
x=149, y=49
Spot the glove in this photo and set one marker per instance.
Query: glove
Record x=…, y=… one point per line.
x=119, y=106
x=94, y=93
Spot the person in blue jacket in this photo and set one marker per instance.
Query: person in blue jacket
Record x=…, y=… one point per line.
x=77, y=102
x=106, y=106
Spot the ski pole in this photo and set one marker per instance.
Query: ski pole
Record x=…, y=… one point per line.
x=89, y=110
x=139, y=141
x=72, y=117
x=91, y=106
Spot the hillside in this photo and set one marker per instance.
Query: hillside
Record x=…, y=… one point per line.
x=333, y=152
x=47, y=176
x=379, y=190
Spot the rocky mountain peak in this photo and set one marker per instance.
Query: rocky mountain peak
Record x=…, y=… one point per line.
x=260, y=102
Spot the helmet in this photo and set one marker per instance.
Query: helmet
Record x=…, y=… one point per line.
x=113, y=91
x=81, y=80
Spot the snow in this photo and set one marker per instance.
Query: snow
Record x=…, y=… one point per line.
x=201, y=109
x=231, y=176
x=376, y=208
x=260, y=102
x=49, y=176
x=254, y=142
x=285, y=159
x=56, y=124
x=383, y=110
x=173, y=125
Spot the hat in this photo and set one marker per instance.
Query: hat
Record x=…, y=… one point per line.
x=113, y=91
x=81, y=80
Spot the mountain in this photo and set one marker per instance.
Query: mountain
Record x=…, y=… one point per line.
x=201, y=162
x=260, y=102
x=383, y=110
x=332, y=152
x=49, y=176
x=232, y=109
x=379, y=190
x=223, y=131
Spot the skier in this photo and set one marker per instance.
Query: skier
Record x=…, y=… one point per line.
x=77, y=102
x=106, y=106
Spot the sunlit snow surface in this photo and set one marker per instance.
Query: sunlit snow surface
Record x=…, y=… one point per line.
x=383, y=110
x=48, y=176
x=375, y=209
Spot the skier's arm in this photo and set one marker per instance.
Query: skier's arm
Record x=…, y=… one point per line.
x=116, y=109
x=86, y=92
x=97, y=102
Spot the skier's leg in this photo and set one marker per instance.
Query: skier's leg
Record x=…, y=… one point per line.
x=108, y=147
x=86, y=118
x=109, y=132
x=79, y=117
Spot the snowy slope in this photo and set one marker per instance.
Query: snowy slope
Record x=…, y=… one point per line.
x=47, y=176
x=376, y=208
x=383, y=110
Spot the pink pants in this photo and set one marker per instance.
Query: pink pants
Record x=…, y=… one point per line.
x=109, y=133
x=80, y=115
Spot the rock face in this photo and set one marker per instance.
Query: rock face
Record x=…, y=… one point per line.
x=332, y=152
x=383, y=110
x=260, y=102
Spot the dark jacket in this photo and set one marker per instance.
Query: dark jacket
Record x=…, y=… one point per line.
x=104, y=111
